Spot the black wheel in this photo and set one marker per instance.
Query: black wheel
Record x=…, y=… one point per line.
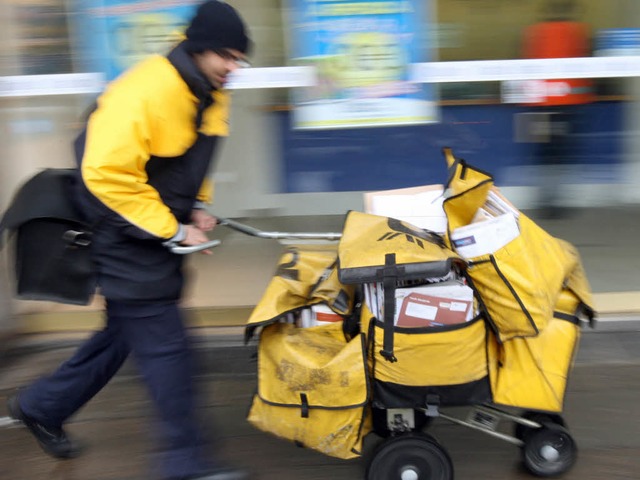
x=549, y=451
x=521, y=431
x=412, y=456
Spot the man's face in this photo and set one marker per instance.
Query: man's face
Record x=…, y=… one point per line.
x=217, y=65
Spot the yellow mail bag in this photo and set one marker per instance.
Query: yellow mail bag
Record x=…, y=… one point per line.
x=532, y=373
x=313, y=388
x=305, y=276
x=520, y=283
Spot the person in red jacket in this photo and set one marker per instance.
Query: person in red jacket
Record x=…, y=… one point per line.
x=143, y=163
x=557, y=101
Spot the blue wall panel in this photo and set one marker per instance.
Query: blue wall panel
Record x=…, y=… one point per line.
x=396, y=157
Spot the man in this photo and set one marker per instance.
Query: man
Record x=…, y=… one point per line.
x=558, y=105
x=143, y=161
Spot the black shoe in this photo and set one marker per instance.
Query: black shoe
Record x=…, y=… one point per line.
x=54, y=441
x=224, y=474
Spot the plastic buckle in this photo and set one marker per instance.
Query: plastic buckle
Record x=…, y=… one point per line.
x=77, y=238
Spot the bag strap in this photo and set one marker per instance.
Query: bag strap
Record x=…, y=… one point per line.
x=389, y=280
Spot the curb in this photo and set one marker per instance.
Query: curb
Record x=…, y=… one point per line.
x=617, y=323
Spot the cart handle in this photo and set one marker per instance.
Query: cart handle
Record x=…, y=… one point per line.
x=254, y=232
x=185, y=250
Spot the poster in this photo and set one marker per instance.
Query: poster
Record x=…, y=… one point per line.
x=362, y=51
x=112, y=35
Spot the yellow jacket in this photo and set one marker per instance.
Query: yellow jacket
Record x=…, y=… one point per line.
x=143, y=163
x=144, y=117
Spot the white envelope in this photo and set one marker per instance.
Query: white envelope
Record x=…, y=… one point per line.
x=485, y=237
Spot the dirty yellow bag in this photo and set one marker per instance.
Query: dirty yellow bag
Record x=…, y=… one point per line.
x=449, y=363
x=305, y=275
x=313, y=388
x=532, y=373
x=519, y=284
x=367, y=241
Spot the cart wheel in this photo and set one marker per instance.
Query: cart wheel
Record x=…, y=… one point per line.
x=549, y=451
x=521, y=431
x=412, y=456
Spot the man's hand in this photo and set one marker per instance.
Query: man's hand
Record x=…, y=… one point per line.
x=201, y=219
x=195, y=236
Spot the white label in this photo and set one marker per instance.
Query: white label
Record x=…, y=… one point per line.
x=418, y=310
x=458, y=306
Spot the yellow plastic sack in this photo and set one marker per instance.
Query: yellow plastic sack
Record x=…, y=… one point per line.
x=367, y=241
x=519, y=284
x=531, y=373
x=305, y=275
x=313, y=388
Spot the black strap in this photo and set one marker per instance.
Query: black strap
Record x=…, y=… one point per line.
x=565, y=316
x=390, y=275
x=589, y=313
x=351, y=323
x=304, y=406
x=582, y=309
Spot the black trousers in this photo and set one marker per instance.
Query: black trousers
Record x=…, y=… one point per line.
x=155, y=335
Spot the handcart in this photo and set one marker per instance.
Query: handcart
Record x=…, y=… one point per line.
x=336, y=363
x=328, y=385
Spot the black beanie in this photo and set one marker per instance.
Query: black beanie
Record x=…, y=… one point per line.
x=216, y=25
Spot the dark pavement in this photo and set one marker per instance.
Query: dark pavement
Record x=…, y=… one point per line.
x=602, y=411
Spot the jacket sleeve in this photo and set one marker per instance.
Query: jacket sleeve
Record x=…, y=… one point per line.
x=215, y=123
x=205, y=195
x=113, y=166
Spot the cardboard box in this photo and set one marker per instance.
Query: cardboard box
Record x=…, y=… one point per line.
x=419, y=206
x=420, y=310
x=434, y=305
